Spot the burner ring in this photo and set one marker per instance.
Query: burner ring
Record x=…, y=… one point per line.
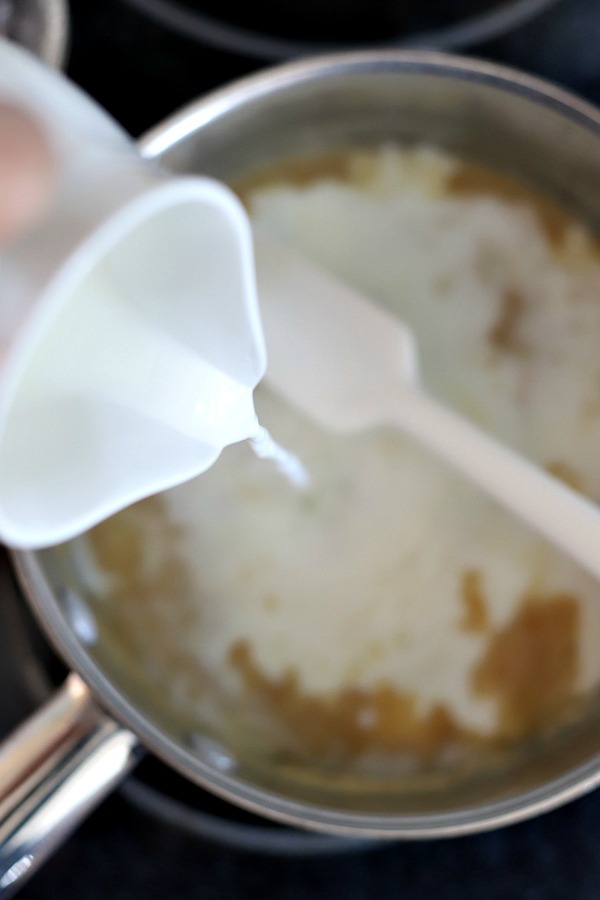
x=507, y=17
x=272, y=840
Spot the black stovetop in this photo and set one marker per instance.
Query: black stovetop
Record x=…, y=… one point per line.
x=141, y=72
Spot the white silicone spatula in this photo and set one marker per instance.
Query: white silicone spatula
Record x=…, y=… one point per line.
x=349, y=365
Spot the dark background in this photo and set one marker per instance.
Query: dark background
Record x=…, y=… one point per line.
x=140, y=72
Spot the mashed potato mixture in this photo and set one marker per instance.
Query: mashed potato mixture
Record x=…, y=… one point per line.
x=391, y=610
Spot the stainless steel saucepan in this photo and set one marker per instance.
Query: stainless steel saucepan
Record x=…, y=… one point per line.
x=64, y=760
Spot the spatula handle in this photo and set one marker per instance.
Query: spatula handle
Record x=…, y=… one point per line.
x=567, y=519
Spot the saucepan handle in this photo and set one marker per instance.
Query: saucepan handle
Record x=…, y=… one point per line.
x=54, y=770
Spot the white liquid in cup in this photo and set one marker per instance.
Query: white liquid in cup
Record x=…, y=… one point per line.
x=130, y=338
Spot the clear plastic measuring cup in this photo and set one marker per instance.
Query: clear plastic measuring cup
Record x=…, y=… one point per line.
x=130, y=338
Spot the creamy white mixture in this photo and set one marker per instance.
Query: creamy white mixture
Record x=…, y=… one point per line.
x=357, y=580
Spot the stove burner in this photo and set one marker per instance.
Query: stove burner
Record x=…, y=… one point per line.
x=269, y=30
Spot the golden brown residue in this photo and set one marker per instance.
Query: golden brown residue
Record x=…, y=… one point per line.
x=145, y=614
x=566, y=474
x=475, y=616
x=303, y=171
x=360, y=167
x=531, y=665
x=471, y=180
x=350, y=723
x=122, y=546
x=504, y=333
